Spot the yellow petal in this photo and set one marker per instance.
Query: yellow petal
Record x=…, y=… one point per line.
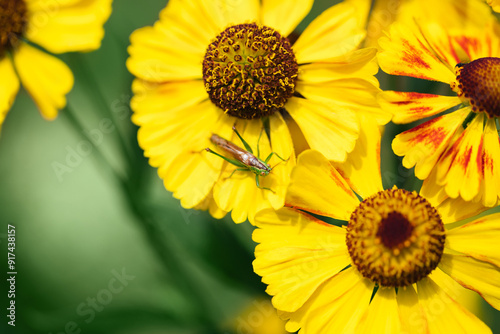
x=423, y=145
x=444, y=314
x=156, y=55
x=336, y=307
x=281, y=144
x=431, y=191
x=413, y=320
x=333, y=33
x=164, y=112
x=284, y=15
x=46, y=78
x=491, y=164
x=455, y=209
x=71, y=26
x=460, y=167
x=184, y=165
x=362, y=10
x=210, y=205
x=478, y=239
x=356, y=64
x=362, y=167
x=483, y=43
x=409, y=107
x=495, y=4
x=223, y=13
x=328, y=129
x=239, y=192
x=9, y=86
x=406, y=52
x=482, y=277
x=451, y=210
x=160, y=103
x=354, y=94
x=382, y=14
x=296, y=254
x=382, y=316
x=317, y=187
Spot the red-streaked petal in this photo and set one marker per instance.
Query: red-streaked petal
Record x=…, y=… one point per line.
x=422, y=146
x=460, y=168
x=491, y=164
x=406, y=52
x=408, y=107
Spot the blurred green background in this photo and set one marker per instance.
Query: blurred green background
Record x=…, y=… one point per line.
x=89, y=259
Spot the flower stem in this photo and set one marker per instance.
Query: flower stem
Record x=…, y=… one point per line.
x=148, y=224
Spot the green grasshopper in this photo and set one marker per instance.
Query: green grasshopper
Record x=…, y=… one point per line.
x=244, y=160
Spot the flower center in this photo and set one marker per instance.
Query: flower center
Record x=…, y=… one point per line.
x=395, y=238
x=13, y=19
x=478, y=83
x=250, y=71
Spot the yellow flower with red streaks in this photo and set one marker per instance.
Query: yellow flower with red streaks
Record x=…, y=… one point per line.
x=378, y=15
x=55, y=26
x=460, y=141
x=386, y=264
x=208, y=65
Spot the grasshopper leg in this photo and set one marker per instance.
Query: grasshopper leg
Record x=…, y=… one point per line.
x=258, y=184
x=237, y=169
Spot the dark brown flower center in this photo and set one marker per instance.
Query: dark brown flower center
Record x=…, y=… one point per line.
x=250, y=71
x=478, y=83
x=13, y=19
x=395, y=238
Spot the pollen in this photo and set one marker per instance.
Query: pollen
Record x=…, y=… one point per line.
x=250, y=71
x=478, y=83
x=13, y=21
x=395, y=238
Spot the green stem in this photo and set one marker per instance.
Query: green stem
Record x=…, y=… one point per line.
x=148, y=224
x=169, y=257
x=89, y=77
x=80, y=129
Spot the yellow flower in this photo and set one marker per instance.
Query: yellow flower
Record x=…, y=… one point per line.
x=459, y=13
x=388, y=264
x=56, y=26
x=464, y=152
x=208, y=65
x=258, y=317
x=495, y=4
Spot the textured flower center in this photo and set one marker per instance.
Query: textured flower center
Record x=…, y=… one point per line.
x=395, y=238
x=13, y=19
x=250, y=71
x=478, y=83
